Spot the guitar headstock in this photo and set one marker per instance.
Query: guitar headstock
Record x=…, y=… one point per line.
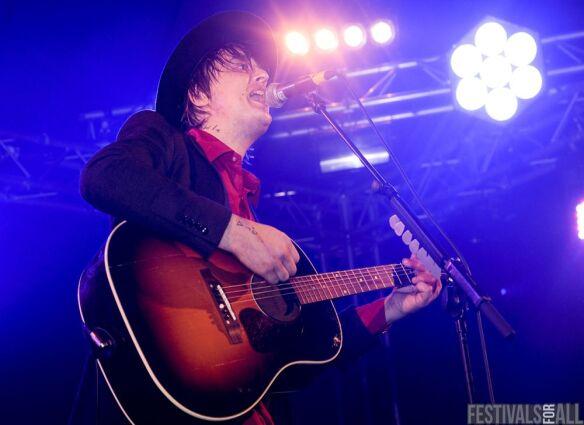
x=400, y=230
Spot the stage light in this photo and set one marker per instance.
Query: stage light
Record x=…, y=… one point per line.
x=491, y=69
x=501, y=104
x=350, y=162
x=382, y=32
x=521, y=49
x=326, y=39
x=496, y=71
x=491, y=38
x=471, y=93
x=297, y=43
x=526, y=82
x=354, y=36
x=466, y=61
x=580, y=220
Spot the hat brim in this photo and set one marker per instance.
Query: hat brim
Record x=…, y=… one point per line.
x=210, y=35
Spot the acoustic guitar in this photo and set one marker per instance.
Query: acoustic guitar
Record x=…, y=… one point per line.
x=183, y=339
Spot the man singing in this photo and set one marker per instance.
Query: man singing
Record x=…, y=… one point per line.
x=178, y=170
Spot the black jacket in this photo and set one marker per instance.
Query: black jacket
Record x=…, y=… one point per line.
x=156, y=176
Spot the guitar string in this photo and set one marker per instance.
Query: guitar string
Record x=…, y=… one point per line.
x=335, y=291
x=367, y=278
x=392, y=268
x=315, y=288
x=289, y=289
x=369, y=282
x=308, y=296
x=385, y=268
x=328, y=279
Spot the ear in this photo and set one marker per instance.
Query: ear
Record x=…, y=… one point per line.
x=200, y=101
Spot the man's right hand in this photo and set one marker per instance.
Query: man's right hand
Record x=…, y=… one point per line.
x=263, y=249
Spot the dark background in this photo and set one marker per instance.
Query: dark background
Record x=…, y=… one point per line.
x=61, y=59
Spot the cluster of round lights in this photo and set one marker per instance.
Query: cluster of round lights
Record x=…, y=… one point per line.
x=327, y=40
x=496, y=71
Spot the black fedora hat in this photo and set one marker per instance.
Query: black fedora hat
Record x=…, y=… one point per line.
x=209, y=35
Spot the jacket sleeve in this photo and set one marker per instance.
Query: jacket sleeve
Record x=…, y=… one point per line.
x=362, y=326
x=129, y=179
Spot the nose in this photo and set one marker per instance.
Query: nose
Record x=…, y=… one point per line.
x=260, y=75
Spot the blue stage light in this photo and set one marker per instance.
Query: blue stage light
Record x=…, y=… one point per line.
x=580, y=220
x=491, y=38
x=496, y=71
x=526, y=82
x=349, y=162
x=506, y=65
x=466, y=61
x=521, y=49
x=471, y=93
x=501, y=104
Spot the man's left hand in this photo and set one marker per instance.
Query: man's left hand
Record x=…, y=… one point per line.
x=425, y=288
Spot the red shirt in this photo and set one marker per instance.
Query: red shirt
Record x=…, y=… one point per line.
x=242, y=187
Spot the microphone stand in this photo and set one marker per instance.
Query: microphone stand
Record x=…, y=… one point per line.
x=460, y=283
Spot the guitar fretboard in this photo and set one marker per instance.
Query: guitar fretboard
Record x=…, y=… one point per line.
x=328, y=286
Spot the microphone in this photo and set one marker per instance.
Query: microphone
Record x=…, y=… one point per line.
x=278, y=93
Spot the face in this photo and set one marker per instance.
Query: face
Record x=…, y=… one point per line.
x=237, y=98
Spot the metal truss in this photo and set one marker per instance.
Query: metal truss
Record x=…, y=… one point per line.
x=406, y=85
x=460, y=160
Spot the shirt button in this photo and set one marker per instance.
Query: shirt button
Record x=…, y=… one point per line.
x=234, y=159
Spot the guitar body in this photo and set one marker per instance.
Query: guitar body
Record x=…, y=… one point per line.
x=195, y=339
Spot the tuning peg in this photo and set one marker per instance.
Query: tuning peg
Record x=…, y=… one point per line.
x=396, y=224
x=414, y=246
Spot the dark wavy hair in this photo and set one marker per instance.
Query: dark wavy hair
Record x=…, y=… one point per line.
x=230, y=57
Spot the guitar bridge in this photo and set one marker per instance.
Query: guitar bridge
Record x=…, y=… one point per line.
x=228, y=317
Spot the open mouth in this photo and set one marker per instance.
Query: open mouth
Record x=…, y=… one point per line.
x=258, y=96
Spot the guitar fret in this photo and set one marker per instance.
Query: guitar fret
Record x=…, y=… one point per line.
x=396, y=274
x=353, y=284
x=328, y=287
x=322, y=287
x=331, y=285
x=338, y=290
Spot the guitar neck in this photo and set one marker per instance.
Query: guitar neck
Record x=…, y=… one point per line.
x=328, y=286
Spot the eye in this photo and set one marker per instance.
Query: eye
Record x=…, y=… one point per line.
x=243, y=67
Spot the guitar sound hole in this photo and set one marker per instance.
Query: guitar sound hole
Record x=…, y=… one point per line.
x=278, y=302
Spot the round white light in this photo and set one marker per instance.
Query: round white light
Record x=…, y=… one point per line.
x=471, y=93
x=496, y=71
x=521, y=49
x=354, y=36
x=466, y=61
x=491, y=38
x=526, y=82
x=326, y=39
x=501, y=104
x=382, y=32
x=297, y=43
